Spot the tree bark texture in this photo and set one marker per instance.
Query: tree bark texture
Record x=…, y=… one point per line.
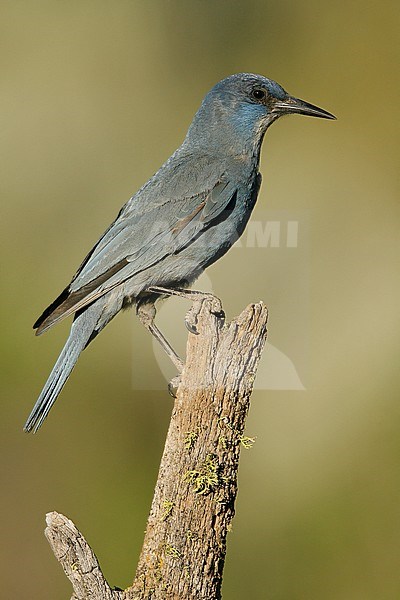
x=184, y=548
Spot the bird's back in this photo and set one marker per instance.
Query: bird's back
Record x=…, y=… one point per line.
x=184, y=218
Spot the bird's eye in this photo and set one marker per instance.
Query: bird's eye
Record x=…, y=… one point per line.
x=258, y=94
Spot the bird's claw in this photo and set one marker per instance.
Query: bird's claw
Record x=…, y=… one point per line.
x=191, y=327
x=220, y=314
x=191, y=316
x=173, y=385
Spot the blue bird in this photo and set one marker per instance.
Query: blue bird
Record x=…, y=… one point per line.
x=181, y=221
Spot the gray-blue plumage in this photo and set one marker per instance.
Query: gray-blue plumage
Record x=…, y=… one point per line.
x=182, y=220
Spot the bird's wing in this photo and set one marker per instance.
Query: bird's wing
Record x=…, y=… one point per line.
x=137, y=241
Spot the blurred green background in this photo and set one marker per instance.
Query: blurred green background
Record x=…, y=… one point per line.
x=94, y=97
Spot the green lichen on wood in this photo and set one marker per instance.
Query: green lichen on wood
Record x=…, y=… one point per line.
x=172, y=551
x=167, y=505
x=245, y=441
x=191, y=438
x=207, y=477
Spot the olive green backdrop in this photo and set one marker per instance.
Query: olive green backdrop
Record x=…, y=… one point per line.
x=94, y=97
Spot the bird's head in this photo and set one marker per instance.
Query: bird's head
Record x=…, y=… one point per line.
x=239, y=109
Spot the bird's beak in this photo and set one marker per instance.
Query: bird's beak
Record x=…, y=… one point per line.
x=295, y=105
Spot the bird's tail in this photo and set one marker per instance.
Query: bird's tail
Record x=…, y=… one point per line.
x=81, y=333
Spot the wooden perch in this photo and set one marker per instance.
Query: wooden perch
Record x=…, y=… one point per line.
x=184, y=547
x=78, y=560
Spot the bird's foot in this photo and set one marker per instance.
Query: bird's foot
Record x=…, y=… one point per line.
x=191, y=317
x=197, y=298
x=173, y=385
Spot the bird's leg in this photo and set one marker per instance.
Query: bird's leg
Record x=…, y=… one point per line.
x=197, y=298
x=146, y=314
